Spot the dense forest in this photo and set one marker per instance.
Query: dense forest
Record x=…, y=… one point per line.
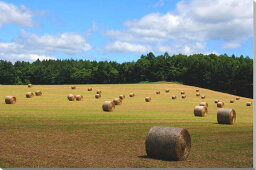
x=218, y=72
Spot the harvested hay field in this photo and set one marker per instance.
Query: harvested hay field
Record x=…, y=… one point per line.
x=52, y=132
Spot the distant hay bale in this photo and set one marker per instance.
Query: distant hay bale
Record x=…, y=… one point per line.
x=98, y=91
x=183, y=96
x=200, y=111
x=10, y=99
x=182, y=92
x=38, y=93
x=220, y=104
x=197, y=90
x=131, y=94
x=232, y=101
x=97, y=96
x=203, y=104
x=79, y=97
x=216, y=101
x=226, y=116
x=122, y=96
x=108, y=106
x=237, y=98
x=248, y=103
x=89, y=89
x=157, y=92
x=73, y=87
x=29, y=94
x=168, y=143
x=203, y=97
x=29, y=85
x=197, y=94
x=71, y=97
x=117, y=101
x=147, y=99
x=167, y=90
x=174, y=97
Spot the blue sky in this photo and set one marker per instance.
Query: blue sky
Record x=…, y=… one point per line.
x=123, y=30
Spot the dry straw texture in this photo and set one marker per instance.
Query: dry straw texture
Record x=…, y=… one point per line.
x=10, y=99
x=203, y=104
x=89, y=89
x=200, y=111
x=248, y=103
x=79, y=97
x=38, y=93
x=29, y=94
x=157, y=92
x=220, y=104
x=226, y=116
x=71, y=97
x=73, y=87
x=108, y=106
x=147, y=99
x=167, y=90
x=117, y=101
x=122, y=97
x=29, y=85
x=131, y=94
x=168, y=143
x=174, y=97
x=97, y=96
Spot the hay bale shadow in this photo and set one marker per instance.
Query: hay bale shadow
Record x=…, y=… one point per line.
x=156, y=158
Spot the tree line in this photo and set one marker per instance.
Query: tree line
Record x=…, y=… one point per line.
x=224, y=73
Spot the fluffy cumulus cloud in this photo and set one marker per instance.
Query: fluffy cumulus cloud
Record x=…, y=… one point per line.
x=119, y=46
x=194, y=22
x=11, y=14
x=30, y=47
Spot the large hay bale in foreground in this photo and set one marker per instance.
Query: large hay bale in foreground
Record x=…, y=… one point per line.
x=29, y=85
x=174, y=97
x=248, y=103
x=183, y=96
x=108, y=106
x=38, y=93
x=203, y=97
x=29, y=94
x=237, y=98
x=182, y=92
x=98, y=91
x=73, y=87
x=10, y=99
x=157, y=92
x=117, y=101
x=168, y=143
x=197, y=94
x=131, y=94
x=89, y=89
x=147, y=99
x=71, y=97
x=200, y=111
x=97, y=96
x=167, y=90
x=226, y=116
x=122, y=96
x=220, y=104
x=216, y=101
x=79, y=97
x=203, y=104
x=232, y=101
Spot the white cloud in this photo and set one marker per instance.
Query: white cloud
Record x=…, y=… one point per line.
x=229, y=21
x=11, y=14
x=30, y=47
x=231, y=45
x=119, y=46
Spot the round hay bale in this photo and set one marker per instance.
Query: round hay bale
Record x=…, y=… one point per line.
x=232, y=101
x=117, y=101
x=38, y=93
x=79, y=97
x=237, y=98
x=203, y=104
x=174, y=97
x=122, y=97
x=29, y=94
x=226, y=116
x=108, y=106
x=183, y=96
x=168, y=143
x=71, y=97
x=89, y=89
x=197, y=94
x=131, y=94
x=98, y=91
x=182, y=92
x=29, y=85
x=197, y=90
x=167, y=90
x=248, y=103
x=157, y=92
x=147, y=99
x=200, y=111
x=220, y=104
x=73, y=87
x=203, y=97
x=97, y=96
x=216, y=101
x=10, y=99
